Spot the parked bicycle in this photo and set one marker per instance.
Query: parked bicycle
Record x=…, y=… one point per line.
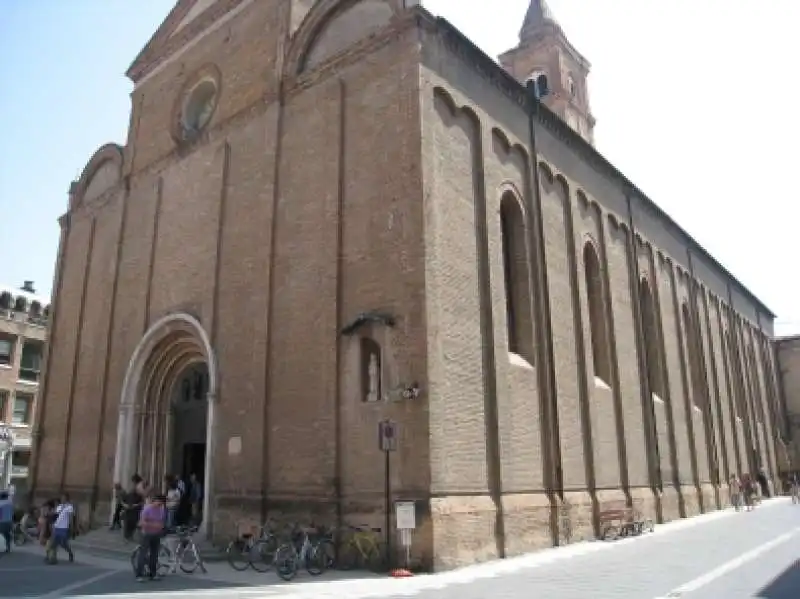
x=257, y=552
x=300, y=551
x=184, y=555
x=362, y=549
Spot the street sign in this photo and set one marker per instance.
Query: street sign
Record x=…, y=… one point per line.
x=387, y=435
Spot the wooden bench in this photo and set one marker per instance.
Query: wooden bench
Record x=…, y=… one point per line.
x=617, y=519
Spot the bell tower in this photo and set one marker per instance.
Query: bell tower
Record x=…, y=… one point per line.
x=543, y=48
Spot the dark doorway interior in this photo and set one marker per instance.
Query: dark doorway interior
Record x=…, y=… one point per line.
x=194, y=461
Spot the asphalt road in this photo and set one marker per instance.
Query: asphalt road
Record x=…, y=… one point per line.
x=720, y=556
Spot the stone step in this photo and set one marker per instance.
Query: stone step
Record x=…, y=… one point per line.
x=105, y=543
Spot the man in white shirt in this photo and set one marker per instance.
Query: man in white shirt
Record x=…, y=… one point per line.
x=62, y=527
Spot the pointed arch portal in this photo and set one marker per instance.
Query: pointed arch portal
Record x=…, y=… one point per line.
x=168, y=405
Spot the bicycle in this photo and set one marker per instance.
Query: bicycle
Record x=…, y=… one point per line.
x=164, y=560
x=22, y=535
x=250, y=551
x=185, y=556
x=299, y=550
x=362, y=549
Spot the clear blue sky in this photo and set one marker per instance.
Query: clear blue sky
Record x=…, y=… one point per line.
x=63, y=93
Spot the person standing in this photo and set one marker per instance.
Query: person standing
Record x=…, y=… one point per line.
x=735, y=489
x=133, y=505
x=195, y=498
x=173, y=503
x=151, y=523
x=6, y=519
x=119, y=506
x=62, y=529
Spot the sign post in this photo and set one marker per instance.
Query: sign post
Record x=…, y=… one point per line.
x=406, y=521
x=387, y=441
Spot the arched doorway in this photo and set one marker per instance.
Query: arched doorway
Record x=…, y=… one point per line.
x=167, y=408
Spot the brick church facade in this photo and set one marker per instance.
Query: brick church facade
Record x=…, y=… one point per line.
x=324, y=205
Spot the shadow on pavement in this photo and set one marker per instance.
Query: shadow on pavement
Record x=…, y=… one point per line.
x=785, y=586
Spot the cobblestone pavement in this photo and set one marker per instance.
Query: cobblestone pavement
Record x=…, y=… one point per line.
x=723, y=555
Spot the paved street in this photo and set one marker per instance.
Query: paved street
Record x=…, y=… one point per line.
x=722, y=555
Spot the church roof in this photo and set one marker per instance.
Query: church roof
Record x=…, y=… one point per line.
x=538, y=14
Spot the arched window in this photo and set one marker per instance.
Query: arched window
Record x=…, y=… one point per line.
x=601, y=360
x=693, y=356
x=652, y=341
x=20, y=304
x=36, y=309
x=5, y=300
x=516, y=276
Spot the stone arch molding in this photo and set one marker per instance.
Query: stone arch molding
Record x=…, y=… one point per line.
x=140, y=362
x=332, y=26
x=101, y=173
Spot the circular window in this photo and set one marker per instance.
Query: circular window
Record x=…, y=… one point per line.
x=199, y=107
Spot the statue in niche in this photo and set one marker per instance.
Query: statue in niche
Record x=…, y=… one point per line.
x=370, y=370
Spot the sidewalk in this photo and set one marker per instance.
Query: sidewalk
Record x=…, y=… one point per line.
x=336, y=584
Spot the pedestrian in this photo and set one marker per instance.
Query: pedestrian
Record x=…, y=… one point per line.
x=6, y=519
x=151, y=524
x=133, y=506
x=763, y=483
x=62, y=529
x=735, y=489
x=173, y=502
x=118, y=495
x=195, y=498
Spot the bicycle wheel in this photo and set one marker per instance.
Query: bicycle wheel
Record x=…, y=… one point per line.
x=135, y=558
x=20, y=538
x=261, y=556
x=286, y=562
x=164, y=560
x=375, y=558
x=188, y=558
x=328, y=549
x=238, y=553
x=316, y=560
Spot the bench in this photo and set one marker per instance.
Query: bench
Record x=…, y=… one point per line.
x=617, y=519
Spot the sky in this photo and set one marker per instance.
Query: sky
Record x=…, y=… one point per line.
x=696, y=102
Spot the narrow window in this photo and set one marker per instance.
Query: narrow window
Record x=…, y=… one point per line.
x=601, y=360
x=370, y=370
x=20, y=305
x=693, y=355
x=5, y=300
x=652, y=341
x=517, y=279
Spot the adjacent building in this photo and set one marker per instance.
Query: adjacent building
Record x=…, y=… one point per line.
x=23, y=330
x=332, y=213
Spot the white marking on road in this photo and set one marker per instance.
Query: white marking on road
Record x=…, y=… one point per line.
x=728, y=566
x=60, y=592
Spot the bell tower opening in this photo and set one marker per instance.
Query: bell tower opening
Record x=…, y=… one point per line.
x=544, y=49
